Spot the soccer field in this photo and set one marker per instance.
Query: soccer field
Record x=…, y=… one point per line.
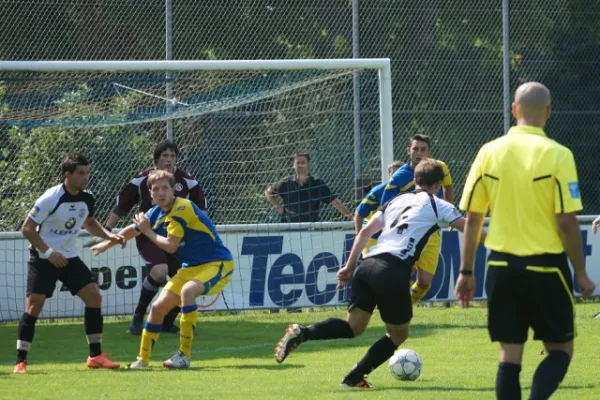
x=233, y=359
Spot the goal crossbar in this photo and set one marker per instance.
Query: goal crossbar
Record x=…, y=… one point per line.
x=381, y=64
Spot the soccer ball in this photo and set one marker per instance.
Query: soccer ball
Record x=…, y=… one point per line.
x=406, y=365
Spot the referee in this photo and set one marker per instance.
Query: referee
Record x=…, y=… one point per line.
x=529, y=183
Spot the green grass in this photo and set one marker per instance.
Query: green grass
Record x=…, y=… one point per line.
x=233, y=360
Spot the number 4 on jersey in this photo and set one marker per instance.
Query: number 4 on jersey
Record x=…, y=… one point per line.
x=401, y=218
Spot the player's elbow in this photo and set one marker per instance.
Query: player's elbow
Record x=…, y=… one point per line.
x=172, y=248
x=364, y=234
x=27, y=228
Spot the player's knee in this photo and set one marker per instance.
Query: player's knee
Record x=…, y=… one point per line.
x=93, y=299
x=567, y=347
x=398, y=336
x=159, y=309
x=159, y=273
x=358, y=328
x=192, y=289
x=34, y=305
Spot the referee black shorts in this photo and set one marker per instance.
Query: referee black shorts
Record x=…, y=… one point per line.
x=532, y=291
x=42, y=275
x=383, y=281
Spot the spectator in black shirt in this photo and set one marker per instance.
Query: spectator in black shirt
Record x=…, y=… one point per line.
x=302, y=194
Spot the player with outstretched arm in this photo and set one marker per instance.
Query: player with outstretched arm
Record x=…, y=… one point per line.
x=382, y=280
x=179, y=227
x=52, y=227
x=158, y=262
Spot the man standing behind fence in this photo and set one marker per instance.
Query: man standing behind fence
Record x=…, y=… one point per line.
x=302, y=194
x=529, y=182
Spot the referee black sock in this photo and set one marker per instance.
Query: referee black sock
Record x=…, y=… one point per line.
x=331, y=328
x=149, y=289
x=94, y=324
x=377, y=354
x=25, y=338
x=508, y=386
x=549, y=374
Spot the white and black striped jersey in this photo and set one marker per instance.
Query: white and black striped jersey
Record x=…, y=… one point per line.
x=408, y=221
x=60, y=215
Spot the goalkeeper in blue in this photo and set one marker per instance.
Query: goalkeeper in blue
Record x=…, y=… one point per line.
x=370, y=204
x=179, y=227
x=402, y=181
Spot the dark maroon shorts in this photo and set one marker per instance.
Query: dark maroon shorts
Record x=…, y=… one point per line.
x=153, y=255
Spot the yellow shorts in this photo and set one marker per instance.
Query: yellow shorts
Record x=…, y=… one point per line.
x=214, y=275
x=372, y=242
x=428, y=261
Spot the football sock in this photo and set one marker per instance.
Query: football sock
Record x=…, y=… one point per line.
x=331, y=328
x=25, y=336
x=508, y=386
x=149, y=289
x=549, y=374
x=150, y=335
x=93, y=322
x=417, y=292
x=170, y=318
x=377, y=354
x=189, y=316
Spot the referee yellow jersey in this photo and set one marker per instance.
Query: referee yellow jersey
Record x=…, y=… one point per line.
x=525, y=179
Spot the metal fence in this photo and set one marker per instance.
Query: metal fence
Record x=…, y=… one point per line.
x=452, y=78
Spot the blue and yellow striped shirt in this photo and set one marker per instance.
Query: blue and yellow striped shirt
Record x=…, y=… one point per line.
x=200, y=242
x=370, y=204
x=403, y=181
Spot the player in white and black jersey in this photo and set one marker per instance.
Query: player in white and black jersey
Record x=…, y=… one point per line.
x=52, y=227
x=383, y=278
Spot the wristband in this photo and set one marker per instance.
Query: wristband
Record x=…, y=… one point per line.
x=48, y=252
x=465, y=272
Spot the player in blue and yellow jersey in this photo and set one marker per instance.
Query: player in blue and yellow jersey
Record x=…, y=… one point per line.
x=402, y=181
x=370, y=204
x=179, y=227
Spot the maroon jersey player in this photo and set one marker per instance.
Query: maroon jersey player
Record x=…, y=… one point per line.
x=159, y=263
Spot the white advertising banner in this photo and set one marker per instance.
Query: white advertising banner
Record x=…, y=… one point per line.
x=273, y=269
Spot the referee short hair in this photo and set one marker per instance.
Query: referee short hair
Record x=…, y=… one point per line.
x=71, y=161
x=164, y=146
x=158, y=175
x=428, y=172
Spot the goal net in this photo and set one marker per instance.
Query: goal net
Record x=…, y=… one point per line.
x=237, y=124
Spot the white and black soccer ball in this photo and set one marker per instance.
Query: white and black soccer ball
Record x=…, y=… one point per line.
x=406, y=365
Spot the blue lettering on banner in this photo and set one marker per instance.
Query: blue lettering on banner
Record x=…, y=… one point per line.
x=330, y=263
x=260, y=247
x=277, y=278
x=274, y=280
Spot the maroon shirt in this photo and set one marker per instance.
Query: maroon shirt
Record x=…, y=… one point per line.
x=137, y=191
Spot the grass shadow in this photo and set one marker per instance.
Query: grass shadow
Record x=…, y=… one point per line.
x=220, y=337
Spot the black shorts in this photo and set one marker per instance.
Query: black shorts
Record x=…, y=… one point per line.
x=383, y=281
x=154, y=255
x=533, y=291
x=42, y=276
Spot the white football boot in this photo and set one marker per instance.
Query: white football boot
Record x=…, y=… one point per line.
x=179, y=360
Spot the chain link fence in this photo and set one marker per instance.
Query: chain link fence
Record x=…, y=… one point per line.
x=448, y=80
